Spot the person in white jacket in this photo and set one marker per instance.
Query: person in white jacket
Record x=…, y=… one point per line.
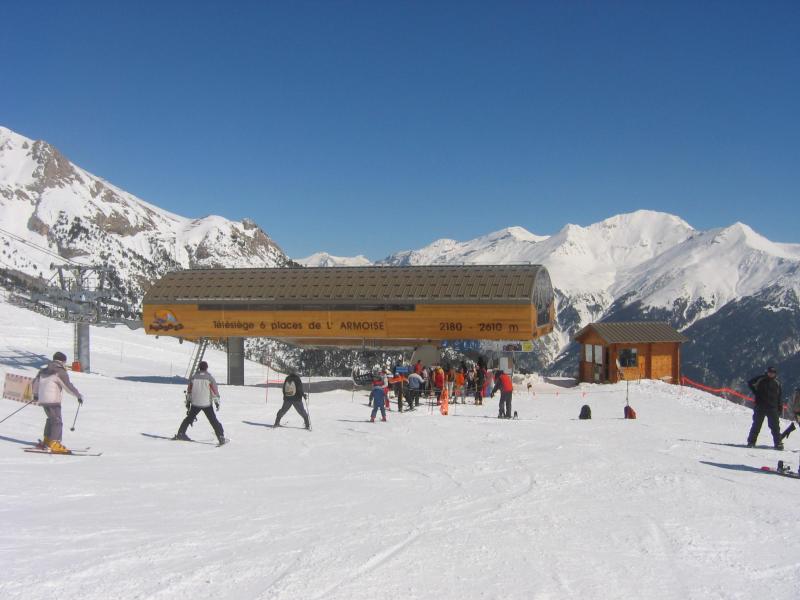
x=48, y=386
x=202, y=391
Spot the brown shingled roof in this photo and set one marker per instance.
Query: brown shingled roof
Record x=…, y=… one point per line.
x=634, y=332
x=462, y=284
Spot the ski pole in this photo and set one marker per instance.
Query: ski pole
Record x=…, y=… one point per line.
x=76, y=416
x=19, y=409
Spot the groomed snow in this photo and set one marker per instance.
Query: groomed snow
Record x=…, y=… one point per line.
x=422, y=506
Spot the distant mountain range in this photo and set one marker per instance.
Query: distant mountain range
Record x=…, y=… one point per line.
x=733, y=292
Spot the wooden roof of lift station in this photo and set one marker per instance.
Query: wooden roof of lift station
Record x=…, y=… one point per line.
x=340, y=306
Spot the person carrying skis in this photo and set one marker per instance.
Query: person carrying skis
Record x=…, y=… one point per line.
x=377, y=396
x=201, y=393
x=795, y=410
x=48, y=386
x=768, y=393
x=503, y=383
x=293, y=396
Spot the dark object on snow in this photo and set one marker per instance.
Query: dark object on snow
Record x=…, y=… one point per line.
x=586, y=412
x=629, y=412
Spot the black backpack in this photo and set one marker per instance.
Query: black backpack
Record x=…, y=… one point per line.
x=586, y=412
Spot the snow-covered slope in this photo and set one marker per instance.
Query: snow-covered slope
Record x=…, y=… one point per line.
x=667, y=507
x=46, y=200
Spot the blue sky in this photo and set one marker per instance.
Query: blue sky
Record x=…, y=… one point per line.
x=371, y=127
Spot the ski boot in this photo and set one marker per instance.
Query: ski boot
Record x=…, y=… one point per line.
x=222, y=440
x=383, y=418
x=372, y=419
x=56, y=447
x=182, y=437
x=43, y=444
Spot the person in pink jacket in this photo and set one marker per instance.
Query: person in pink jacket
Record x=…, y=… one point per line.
x=48, y=386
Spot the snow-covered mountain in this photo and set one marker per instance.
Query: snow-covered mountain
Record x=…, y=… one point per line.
x=70, y=213
x=729, y=289
x=323, y=259
x=649, y=264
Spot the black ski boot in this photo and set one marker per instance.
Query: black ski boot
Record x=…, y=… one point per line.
x=182, y=437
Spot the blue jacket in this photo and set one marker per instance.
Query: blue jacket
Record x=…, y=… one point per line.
x=377, y=396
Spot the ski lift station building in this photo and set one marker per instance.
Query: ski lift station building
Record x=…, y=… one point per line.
x=372, y=307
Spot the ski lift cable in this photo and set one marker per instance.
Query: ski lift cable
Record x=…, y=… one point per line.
x=18, y=238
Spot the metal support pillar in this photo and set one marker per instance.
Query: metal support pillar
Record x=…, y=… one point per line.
x=235, y=361
x=82, y=346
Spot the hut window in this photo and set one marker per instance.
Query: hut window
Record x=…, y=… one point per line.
x=598, y=354
x=588, y=349
x=627, y=357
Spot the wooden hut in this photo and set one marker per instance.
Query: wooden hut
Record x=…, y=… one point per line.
x=610, y=352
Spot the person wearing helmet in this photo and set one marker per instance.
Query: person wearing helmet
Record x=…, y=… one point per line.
x=48, y=386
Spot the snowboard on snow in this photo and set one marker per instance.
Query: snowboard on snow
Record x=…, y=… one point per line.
x=783, y=469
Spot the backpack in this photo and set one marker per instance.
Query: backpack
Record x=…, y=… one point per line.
x=586, y=412
x=629, y=412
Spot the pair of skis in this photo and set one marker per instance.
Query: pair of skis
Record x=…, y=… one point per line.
x=41, y=449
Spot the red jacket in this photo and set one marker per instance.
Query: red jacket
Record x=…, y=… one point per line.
x=503, y=383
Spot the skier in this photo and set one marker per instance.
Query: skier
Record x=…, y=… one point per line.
x=795, y=410
x=293, y=396
x=377, y=396
x=47, y=388
x=201, y=393
x=503, y=383
x=768, y=393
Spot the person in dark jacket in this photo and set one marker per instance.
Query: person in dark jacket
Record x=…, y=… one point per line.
x=293, y=396
x=480, y=381
x=768, y=395
x=503, y=383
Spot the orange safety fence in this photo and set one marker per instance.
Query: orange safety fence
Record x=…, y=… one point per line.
x=718, y=391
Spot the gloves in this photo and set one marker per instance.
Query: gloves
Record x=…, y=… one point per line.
x=80, y=400
x=215, y=400
x=305, y=396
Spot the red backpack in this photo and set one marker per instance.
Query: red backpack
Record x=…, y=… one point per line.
x=629, y=412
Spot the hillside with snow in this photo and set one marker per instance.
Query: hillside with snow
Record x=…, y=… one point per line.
x=732, y=291
x=73, y=215
x=670, y=506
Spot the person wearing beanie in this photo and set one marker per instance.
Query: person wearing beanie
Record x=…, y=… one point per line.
x=293, y=396
x=48, y=386
x=768, y=402
x=200, y=395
